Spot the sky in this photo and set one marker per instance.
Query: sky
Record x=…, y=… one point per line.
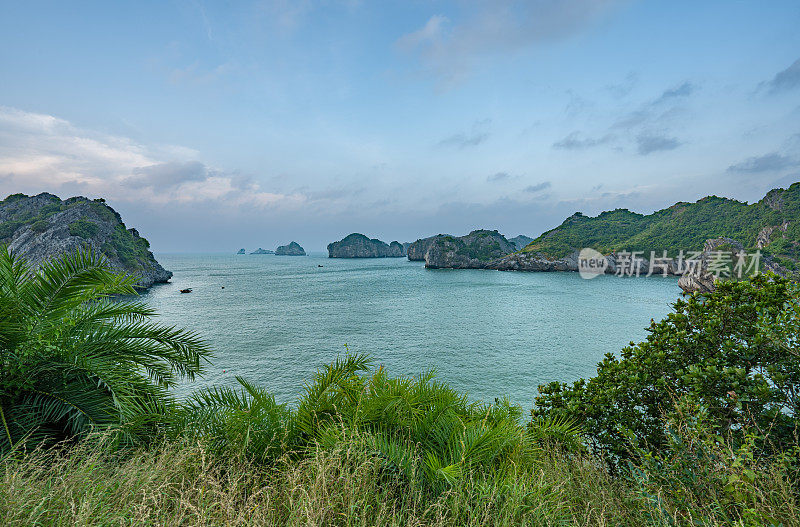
x=212, y=126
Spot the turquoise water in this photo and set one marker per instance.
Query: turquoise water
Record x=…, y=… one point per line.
x=488, y=333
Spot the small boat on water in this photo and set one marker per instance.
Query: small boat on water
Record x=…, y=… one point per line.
x=187, y=290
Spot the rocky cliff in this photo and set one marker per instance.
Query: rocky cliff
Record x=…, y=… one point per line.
x=359, y=246
x=41, y=227
x=293, y=249
x=476, y=250
x=416, y=251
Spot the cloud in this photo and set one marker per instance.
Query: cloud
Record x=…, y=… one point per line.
x=499, y=176
x=620, y=90
x=464, y=140
x=574, y=142
x=433, y=30
x=170, y=174
x=683, y=90
x=771, y=162
x=787, y=79
x=532, y=189
x=449, y=51
x=475, y=137
x=40, y=152
x=662, y=109
x=649, y=143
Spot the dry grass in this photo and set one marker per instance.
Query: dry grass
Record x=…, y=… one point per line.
x=181, y=485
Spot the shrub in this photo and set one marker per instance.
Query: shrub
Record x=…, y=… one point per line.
x=83, y=228
x=73, y=360
x=735, y=352
x=8, y=228
x=40, y=226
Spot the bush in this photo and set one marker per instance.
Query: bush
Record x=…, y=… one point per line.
x=72, y=360
x=8, y=228
x=40, y=226
x=84, y=229
x=734, y=352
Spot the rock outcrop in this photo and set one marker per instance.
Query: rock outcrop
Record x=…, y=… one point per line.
x=262, y=251
x=476, y=250
x=293, y=249
x=520, y=241
x=241, y=251
x=416, y=251
x=42, y=227
x=700, y=277
x=357, y=245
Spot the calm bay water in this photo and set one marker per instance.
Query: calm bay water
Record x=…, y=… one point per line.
x=488, y=333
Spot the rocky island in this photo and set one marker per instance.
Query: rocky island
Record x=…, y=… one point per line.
x=42, y=227
x=357, y=245
x=476, y=250
x=261, y=251
x=293, y=249
x=416, y=251
x=712, y=227
x=241, y=251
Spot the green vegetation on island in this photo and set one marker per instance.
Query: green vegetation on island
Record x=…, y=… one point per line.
x=769, y=225
x=698, y=425
x=42, y=227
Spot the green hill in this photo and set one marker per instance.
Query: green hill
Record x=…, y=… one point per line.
x=769, y=225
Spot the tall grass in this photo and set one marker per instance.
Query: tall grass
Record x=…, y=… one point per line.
x=180, y=483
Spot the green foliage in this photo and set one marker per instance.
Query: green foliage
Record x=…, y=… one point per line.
x=8, y=228
x=683, y=226
x=735, y=352
x=40, y=226
x=480, y=245
x=84, y=228
x=412, y=422
x=15, y=197
x=74, y=359
x=707, y=475
x=417, y=428
x=38, y=220
x=245, y=424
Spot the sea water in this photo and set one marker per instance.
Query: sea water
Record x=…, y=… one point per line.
x=275, y=319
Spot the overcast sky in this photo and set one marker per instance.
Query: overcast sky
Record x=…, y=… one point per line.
x=212, y=126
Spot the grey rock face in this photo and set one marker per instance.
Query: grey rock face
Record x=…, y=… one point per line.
x=39, y=228
x=698, y=278
x=476, y=250
x=293, y=249
x=357, y=245
x=416, y=251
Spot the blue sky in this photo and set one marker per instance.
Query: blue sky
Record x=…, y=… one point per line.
x=217, y=125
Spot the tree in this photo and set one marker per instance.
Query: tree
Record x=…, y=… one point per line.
x=79, y=353
x=733, y=352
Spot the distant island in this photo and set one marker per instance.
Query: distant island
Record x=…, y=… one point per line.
x=293, y=249
x=39, y=228
x=357, y=245
x=260, y=251
x=520, y=241
x=706, y=227
x=241, y=251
